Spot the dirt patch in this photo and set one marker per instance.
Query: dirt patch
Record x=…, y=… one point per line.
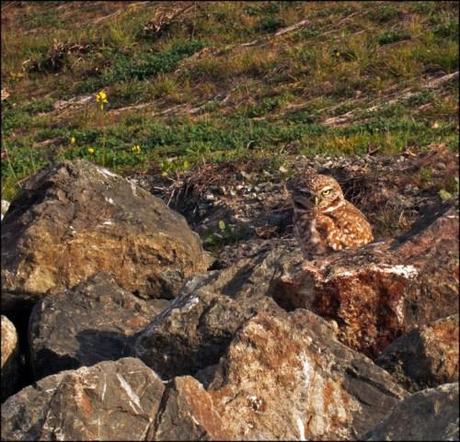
x=239, y=207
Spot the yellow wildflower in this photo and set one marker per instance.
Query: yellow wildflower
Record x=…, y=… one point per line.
x=136, y=149
x=72, y=140
x=91, y=150
x=101, y=98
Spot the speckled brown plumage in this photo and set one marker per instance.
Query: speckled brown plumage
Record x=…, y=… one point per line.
x=324, y=220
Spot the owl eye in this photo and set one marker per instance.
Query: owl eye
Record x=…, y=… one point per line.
x=326, y=192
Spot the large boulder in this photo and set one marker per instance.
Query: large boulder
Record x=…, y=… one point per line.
x=197, y=327
x=381, y=291
x=74, y=219
x=286, y=377
x=430, y=414
x=108, y=401
x=95, y=321
x=9, y=357
x=425, y=357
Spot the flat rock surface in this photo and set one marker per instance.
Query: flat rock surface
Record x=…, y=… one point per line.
x=92, y=322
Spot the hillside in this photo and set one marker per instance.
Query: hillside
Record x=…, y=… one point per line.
x=189, y=83
x=166, y=295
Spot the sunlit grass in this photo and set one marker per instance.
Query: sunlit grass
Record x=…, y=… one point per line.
x=350, y=56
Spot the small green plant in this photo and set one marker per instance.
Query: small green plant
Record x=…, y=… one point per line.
x=389, y=37
x=444, y=195
x=426, y=176
x=126, y=68
x=385, y=13
x=451, y=190
x=266, y=106
x=270, y=24
x=171, y=166
x=447, y=30
x=225, y=234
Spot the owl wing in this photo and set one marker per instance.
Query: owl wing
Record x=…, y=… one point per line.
x=353, y=230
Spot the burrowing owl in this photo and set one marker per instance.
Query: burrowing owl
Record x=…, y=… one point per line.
x=324, y=219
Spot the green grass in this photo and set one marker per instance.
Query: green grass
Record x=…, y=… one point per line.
x=126, y=68
x=254, y=100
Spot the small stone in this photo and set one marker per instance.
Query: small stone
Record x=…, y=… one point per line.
x=4, y=208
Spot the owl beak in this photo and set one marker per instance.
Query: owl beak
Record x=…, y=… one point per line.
x=316, y=200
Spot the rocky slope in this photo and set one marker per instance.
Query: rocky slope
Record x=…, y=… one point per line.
x=127, y=330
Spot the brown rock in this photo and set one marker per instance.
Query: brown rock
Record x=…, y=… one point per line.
x=108, y=401
x=10, y=357
x=74, y=219
x=425, y=357
x=189, y=414
x=92, y=322
x=383, y=290
x=427, y=415
x=285, y=377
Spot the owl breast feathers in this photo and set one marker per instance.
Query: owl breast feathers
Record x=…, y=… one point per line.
x=323, y=219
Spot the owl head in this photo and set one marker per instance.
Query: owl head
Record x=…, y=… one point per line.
x=321, y=192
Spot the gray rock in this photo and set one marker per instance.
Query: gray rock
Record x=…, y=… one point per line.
x=74, y=219
x=108, y=401
x=429, y=415
x=92, y=322
x=10, y=358
x=194, y=331
x=425, y=357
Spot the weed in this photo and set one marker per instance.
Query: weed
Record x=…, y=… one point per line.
x=389, y=37
x=269, y=24
x=384, y=13
x=426, y=175
x=224, y=234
